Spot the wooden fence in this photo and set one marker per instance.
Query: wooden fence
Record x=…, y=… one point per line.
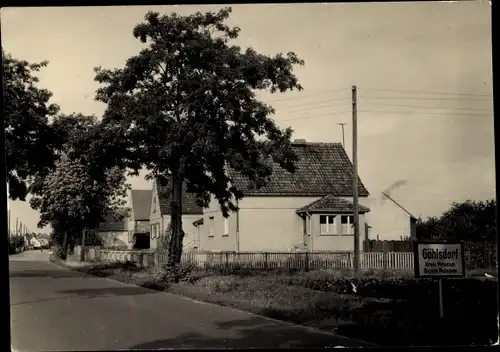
x=295, y=261
x=273, y=260
x=300, y=261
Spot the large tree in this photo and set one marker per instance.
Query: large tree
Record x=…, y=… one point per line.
x=187, y=105
x=29, y=139
x=76, y=195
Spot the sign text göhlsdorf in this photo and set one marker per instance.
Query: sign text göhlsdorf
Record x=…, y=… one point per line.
x=439, y=259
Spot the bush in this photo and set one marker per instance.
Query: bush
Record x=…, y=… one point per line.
x=392, y=287
x=57, y=254
x=185, y=273
x=16, y=244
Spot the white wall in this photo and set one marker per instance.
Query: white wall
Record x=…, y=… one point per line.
x=386, y=218
x=219, y=241
x=271, y=223
x=323, y=242
x=155, y=218
x=190, y=234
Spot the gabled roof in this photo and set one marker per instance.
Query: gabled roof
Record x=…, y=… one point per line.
x=110, y=223
x=189, y=205
x=332, y=204
x=141, y=202
x=322, y=168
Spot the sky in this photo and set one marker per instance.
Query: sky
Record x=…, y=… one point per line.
x=423, y=73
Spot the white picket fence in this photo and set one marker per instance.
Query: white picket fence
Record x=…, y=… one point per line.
x=300, y=261
x=260, y=260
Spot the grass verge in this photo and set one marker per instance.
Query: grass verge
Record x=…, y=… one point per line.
x=393, y=310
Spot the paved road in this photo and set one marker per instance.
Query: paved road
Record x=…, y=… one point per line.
x=57, y=309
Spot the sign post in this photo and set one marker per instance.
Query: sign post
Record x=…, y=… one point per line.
x=441, y=308
x=439, y=260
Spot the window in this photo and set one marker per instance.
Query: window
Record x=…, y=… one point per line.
x=211, y=226
x=226, y=227
x=153, y=205
x=327, y=224
x=156, y=231
x=347, y=222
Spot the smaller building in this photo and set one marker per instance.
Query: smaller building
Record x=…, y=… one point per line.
x=34, y=243
x=114, y=231
x=159, y=216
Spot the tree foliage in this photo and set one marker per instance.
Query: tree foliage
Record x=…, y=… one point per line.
x=29, y=139
x=187, y=109
x=77, y=195
x=467, y=221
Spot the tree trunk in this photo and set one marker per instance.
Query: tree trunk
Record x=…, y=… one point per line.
x=82, y=252
x=175, y=246
x=64, y=249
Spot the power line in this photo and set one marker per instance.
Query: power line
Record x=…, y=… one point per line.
x=320, y=102
x=422, y=113
x=427, y=92
x=471, y=95
x=317, y=106
x=328, y=102
x=430, y=107
x=431, y=98
x=310, y=95
x=324, y=115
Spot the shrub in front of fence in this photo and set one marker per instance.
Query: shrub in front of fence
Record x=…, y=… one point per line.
x=405, y=288
x=480, y=255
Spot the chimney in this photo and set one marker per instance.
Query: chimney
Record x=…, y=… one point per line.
x=299, y=142
x=413, y=229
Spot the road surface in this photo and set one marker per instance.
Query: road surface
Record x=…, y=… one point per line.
x=57, y=309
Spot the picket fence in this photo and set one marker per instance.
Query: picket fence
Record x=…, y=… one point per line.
x=298, y=261
x=260, y=260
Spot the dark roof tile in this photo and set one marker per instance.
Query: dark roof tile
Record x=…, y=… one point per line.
x=110, y=223
x=322, y=168
x=189, y=205
x=331, y=203
x=141, y=202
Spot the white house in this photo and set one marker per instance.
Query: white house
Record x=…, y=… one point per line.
x=310, y=209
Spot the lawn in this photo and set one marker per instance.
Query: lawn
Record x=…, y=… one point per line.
x=389, y=309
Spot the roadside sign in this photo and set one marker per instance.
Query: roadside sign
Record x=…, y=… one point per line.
x=439, y=259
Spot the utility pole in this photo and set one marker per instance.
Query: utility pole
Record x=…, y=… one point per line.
x=343, y=139
x=355, y=180
x=17, y=228
x=8, y=211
